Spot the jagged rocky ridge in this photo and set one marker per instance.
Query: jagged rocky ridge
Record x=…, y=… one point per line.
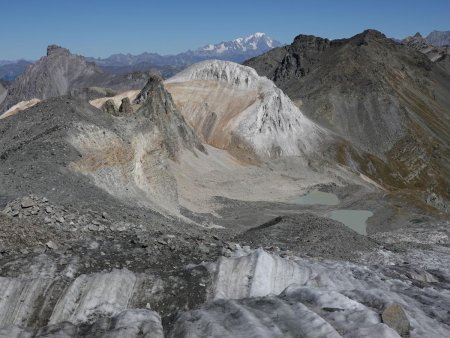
x=434, y=53
x=381, y=96
x=60, y=73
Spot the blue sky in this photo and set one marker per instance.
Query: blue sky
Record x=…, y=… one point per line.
x=103, y=27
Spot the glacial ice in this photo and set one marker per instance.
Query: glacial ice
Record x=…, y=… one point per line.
x=251, y=294
x=346, y=298
x=95, y=295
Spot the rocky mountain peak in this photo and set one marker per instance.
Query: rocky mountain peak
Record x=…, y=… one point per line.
x=373, y=33
x=310, y=42
x=60, y=72
x=55, y=49
x=416, y=41
x=368, y=36
x=153, y=85
x=158, y=107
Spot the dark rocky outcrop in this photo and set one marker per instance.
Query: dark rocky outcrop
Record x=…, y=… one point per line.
x=157, y=105
x=125, y=106
x=109, y=107
x=153, y=85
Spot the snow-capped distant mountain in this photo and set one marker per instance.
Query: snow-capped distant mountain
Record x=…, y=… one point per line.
x=249, y=46
x=237, y=50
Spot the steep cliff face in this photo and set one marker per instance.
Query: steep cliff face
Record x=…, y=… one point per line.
x=383, y=97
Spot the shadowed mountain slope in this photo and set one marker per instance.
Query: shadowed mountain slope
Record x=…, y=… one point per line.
x=383, y=97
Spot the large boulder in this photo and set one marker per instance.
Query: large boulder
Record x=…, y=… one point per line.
x=395, y=317
x=109, y=107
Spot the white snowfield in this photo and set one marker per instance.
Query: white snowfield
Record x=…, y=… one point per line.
x=266, y=120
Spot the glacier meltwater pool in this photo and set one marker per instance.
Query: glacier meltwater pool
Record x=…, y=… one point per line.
x=354, y=219
x=316, y=197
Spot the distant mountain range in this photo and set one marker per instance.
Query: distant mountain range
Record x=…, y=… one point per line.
x=237, y=50
x=9, y=70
